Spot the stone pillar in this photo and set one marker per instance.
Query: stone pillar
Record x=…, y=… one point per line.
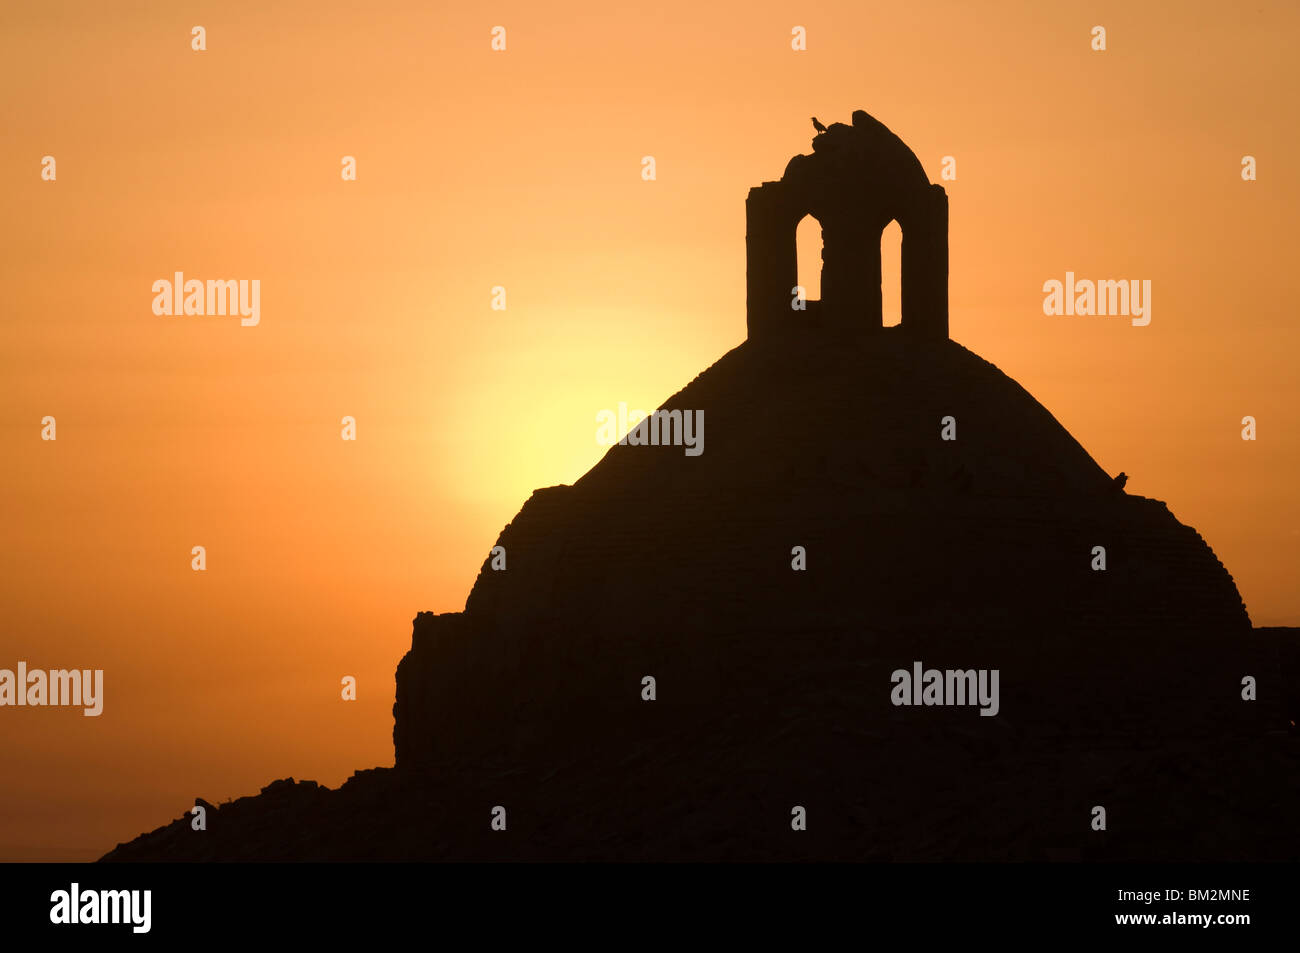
x=925, y=266
x=771, y=259
x=851, y=272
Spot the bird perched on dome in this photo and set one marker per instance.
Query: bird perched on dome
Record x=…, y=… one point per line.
x=817, y=125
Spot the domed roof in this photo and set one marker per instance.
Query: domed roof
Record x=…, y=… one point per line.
x=846, y=451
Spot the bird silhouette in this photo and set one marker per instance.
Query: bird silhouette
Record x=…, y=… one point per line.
x=818, y=126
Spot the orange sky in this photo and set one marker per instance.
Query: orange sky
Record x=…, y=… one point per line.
x=523, y=169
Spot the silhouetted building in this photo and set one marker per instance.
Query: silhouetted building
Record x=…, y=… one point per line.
x=945, y=515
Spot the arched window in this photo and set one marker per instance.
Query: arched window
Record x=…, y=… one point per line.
x=891, y=274
x=808, y=245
